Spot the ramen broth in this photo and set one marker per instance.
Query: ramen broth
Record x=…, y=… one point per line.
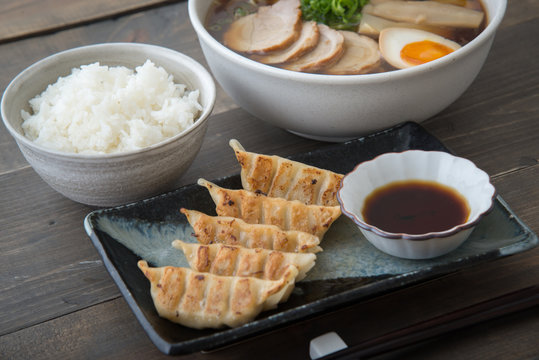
x=223, y=12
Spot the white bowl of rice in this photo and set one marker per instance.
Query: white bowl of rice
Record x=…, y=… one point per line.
x=112, y=123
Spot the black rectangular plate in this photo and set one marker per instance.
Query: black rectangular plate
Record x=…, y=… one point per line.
x=124, y=234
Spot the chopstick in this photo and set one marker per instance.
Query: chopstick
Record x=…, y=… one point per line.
x=483, y=311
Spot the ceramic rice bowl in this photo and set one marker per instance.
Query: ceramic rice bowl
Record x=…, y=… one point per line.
x=117, y=178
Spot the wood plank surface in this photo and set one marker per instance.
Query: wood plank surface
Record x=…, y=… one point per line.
x=25, y=18
x=77, y=280
x=519, y=11
x=500, y=108
x=63, y=304
x=82, y=331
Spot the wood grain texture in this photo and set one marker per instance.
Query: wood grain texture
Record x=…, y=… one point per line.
x=495, y=120
x=58, y=301
x=82, y=334
x=519, y=11
x=74, y=279
x=25, y=18
x=50, y=265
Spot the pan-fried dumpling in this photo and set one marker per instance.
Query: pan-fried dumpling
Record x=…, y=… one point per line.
x=204, y=300
x=279, y=177
x=233, y=231
x=255, y=208
x=231, y=260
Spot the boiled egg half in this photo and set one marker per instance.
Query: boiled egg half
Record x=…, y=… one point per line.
x=405, y=47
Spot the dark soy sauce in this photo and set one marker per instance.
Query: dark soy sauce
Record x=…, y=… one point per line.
x=415, y=207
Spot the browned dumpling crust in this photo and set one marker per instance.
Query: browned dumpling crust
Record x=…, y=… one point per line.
x=231, y=260
x=233, y=231
x=256, y=208
x=279, y=177
x=203, y=300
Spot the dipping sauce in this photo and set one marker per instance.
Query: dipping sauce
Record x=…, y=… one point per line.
x=415, y=207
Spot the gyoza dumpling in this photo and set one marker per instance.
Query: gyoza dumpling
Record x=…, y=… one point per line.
x=256, y=208
x=279, y=177
x=204, y=300
x=231, y=260
x=233, y=231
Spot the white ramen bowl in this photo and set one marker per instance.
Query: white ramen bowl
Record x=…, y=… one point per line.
x=116, y=178
x=341, y=107
x=458, y=173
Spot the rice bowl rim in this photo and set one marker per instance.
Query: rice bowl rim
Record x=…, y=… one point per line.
x=188, y=63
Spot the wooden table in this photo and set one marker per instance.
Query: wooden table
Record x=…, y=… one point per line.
x=58, y=301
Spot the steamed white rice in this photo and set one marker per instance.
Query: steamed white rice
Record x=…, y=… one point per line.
x=100, y=109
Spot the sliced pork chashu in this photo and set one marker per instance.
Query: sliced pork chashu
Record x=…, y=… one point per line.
x=329, y=49
x=307, y=41
x=360, y=55
x=271, y=28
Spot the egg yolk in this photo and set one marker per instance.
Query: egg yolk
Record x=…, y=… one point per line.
x=421, y=52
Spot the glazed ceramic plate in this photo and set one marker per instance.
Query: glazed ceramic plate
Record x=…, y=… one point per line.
x=349, y=268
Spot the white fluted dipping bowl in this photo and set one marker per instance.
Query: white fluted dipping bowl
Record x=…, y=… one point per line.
x=455, y=172
x=110, y=179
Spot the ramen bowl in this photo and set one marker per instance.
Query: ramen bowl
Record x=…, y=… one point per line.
x=110, y=179
x=342, y=107
x=456, y=173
